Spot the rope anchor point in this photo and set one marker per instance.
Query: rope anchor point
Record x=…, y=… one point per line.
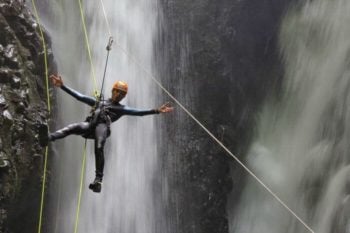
x=109, y=45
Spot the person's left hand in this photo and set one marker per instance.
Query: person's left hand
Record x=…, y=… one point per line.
x=166, y=108
x=56, y=80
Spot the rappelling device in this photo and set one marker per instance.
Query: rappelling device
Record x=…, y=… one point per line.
x=95, y=115
x=108, y=48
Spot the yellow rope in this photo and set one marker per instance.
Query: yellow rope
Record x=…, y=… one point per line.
x=82, y=175
x=49, y=109
x=45, y=56
x=82, y=172
x=88, y=48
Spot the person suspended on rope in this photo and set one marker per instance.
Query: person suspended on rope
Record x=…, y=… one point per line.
x=97, y=125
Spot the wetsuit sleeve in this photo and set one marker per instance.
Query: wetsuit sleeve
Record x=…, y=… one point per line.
x=83, y=98
x=138, y=112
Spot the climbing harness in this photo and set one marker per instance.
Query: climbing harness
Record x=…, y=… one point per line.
x=95, y=116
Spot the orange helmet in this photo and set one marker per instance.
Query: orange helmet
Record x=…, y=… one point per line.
x=121, y=86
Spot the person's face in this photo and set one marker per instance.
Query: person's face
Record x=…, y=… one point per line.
x=118, y=95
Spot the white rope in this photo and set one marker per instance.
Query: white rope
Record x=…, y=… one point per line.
x=213, y=137
x=106, y=19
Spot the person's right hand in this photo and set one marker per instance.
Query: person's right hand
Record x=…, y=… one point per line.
x=56, y=80
x=165, y=108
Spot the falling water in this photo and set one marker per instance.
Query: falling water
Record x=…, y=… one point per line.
x=302, y=145
x=127, y=202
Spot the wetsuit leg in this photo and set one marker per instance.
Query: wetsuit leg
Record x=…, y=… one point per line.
x=75, y=128
x=101, y=134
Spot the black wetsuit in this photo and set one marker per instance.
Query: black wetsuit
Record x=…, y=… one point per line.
x=97, y=126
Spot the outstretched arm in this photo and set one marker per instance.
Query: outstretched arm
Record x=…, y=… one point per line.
x=165, y=108
x=58, y=82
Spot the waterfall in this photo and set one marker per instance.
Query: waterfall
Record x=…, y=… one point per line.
x=301, y=149
x=127, y=202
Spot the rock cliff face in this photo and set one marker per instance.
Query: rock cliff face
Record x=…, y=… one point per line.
x=23, y=117
x=219, y=58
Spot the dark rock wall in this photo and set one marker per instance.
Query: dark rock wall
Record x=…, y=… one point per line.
x=23, y=114
x=220, y=58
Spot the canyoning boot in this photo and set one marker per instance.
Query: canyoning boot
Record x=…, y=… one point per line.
x=96, y=186
x=43, y=135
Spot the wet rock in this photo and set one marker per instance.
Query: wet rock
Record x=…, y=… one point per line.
x=14, y=96
x=11, y=54
x=15, y=82
x=25, y=97
x=2, y=59
x=6, y=35
x=3, y=213
x=18, y=151
x=2, y=101
x=34, y=25
x=29, y=35
x=30, y=65
x=20, y=108
x=8, y=119
x=24, y=94
x=9, y=51
x=5, y=75
x=8, y=9
x=40, y=68
x=37, y=157
x=18, y=132
x=19, y=73
x=4, y=162
x=43, y=134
